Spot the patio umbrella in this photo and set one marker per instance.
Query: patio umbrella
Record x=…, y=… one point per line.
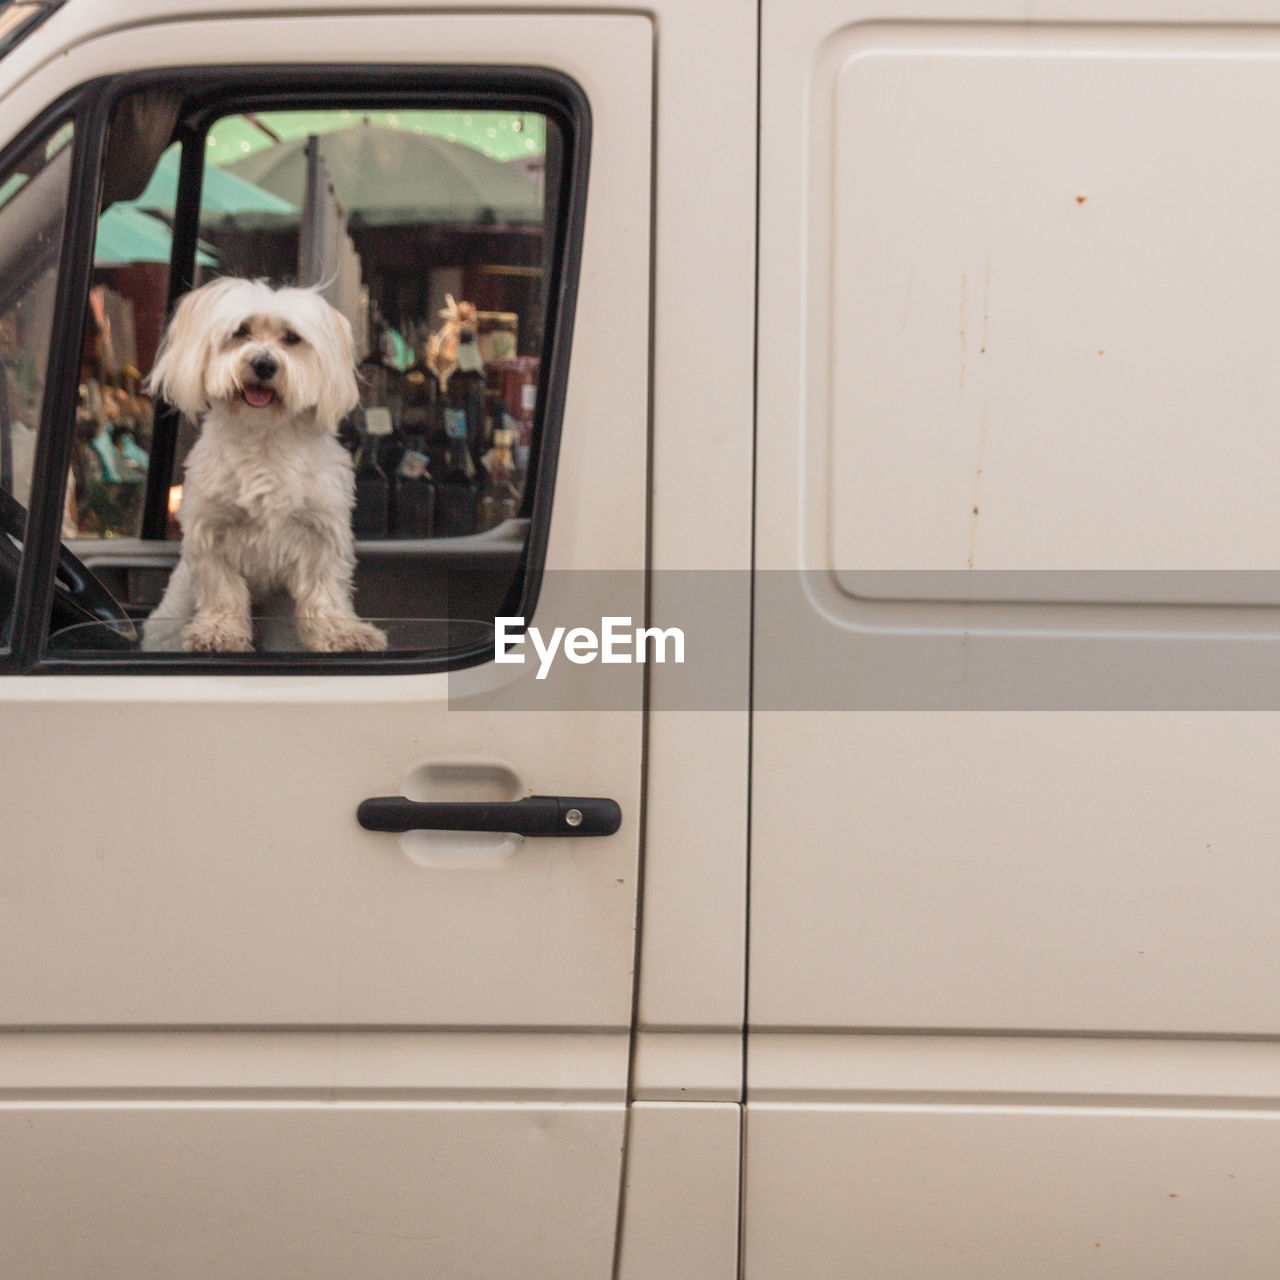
x=388, y=176
x=500, y=135
x=224, y=197
x=126, y=234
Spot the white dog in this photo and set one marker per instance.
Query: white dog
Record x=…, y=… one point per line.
x=268, y=490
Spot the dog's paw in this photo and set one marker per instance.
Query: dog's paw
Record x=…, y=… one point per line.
x=217, y=633
x=341, y=635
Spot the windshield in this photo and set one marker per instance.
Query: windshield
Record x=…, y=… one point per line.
x=18, y=19
x=33, y=197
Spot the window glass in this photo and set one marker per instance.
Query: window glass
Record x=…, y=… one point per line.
x=33, y=201
x=426, y=230
x=17, y=20
x=430, y=232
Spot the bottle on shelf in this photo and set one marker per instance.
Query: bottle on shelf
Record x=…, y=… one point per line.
x=372, y=515
x=414, y=495
x=453, y=356
x=421, y=393
x=501, y=499
x=456, y=492
x=464, y=401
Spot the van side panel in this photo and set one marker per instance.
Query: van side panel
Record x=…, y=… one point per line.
x=1012, y=932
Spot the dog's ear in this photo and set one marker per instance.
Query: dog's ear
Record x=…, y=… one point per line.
x=338, y=392
x=182, y=362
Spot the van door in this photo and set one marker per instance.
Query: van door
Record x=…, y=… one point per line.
x=241, y=1034
x=1013, y=993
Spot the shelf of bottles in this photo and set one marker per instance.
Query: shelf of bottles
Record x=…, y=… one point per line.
x=441, y=452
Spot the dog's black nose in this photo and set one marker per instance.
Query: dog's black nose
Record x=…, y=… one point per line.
x=264, y=368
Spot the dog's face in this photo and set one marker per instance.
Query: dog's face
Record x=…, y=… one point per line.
x=259, y=355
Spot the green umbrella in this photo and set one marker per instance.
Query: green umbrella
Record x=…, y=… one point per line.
x=500, y=135
x=223, y=196
x=126, y=234
x=388, y=176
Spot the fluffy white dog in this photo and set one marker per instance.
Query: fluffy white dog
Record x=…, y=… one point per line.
x=268, y=490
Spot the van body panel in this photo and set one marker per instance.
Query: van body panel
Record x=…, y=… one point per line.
x=324, y=1189
x=1020, y=814
x=680, y=1217
x=691, y=989
x=395, y=1041
x=925, y=344
x=1006, y=1190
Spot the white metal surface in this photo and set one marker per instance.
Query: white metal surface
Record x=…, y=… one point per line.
x=681, y=1197
x=319, y=1190
x=1048, y=299
x=703, y=336
x=1011, y=1191
x=1013, y=986
x=979, y=1156
x=961, y=206
x=209, y=873
x=693, y=924
x=1101, y=871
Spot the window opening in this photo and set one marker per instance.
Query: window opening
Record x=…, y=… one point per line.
x=434, y=231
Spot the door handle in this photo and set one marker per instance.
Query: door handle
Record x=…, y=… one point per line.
x=533, y=816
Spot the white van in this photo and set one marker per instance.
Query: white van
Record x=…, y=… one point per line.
x=914, y=364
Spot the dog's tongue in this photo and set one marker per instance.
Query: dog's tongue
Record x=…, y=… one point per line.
x=259, y=397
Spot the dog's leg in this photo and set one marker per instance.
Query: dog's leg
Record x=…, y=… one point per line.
x=319, y=581
x=221, y=623
x=162, y=631
x=327, y=623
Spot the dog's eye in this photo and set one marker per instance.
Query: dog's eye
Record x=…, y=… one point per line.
x=291, y=339
x=241, y=332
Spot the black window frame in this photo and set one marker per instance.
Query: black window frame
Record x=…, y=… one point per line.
x=33, y=592
x=209, y=93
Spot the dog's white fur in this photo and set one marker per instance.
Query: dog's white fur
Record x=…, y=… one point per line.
x=268, y=490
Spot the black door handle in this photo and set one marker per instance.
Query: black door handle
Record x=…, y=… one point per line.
x=533, y=816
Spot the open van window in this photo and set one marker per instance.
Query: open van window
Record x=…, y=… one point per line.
x=437, y=213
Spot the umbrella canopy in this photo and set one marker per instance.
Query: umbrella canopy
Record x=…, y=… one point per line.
x=500, y=135
x=223, y=196
x=126, y=234
x=388, y=176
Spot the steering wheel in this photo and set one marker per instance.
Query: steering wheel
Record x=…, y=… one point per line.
x=78, y=597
